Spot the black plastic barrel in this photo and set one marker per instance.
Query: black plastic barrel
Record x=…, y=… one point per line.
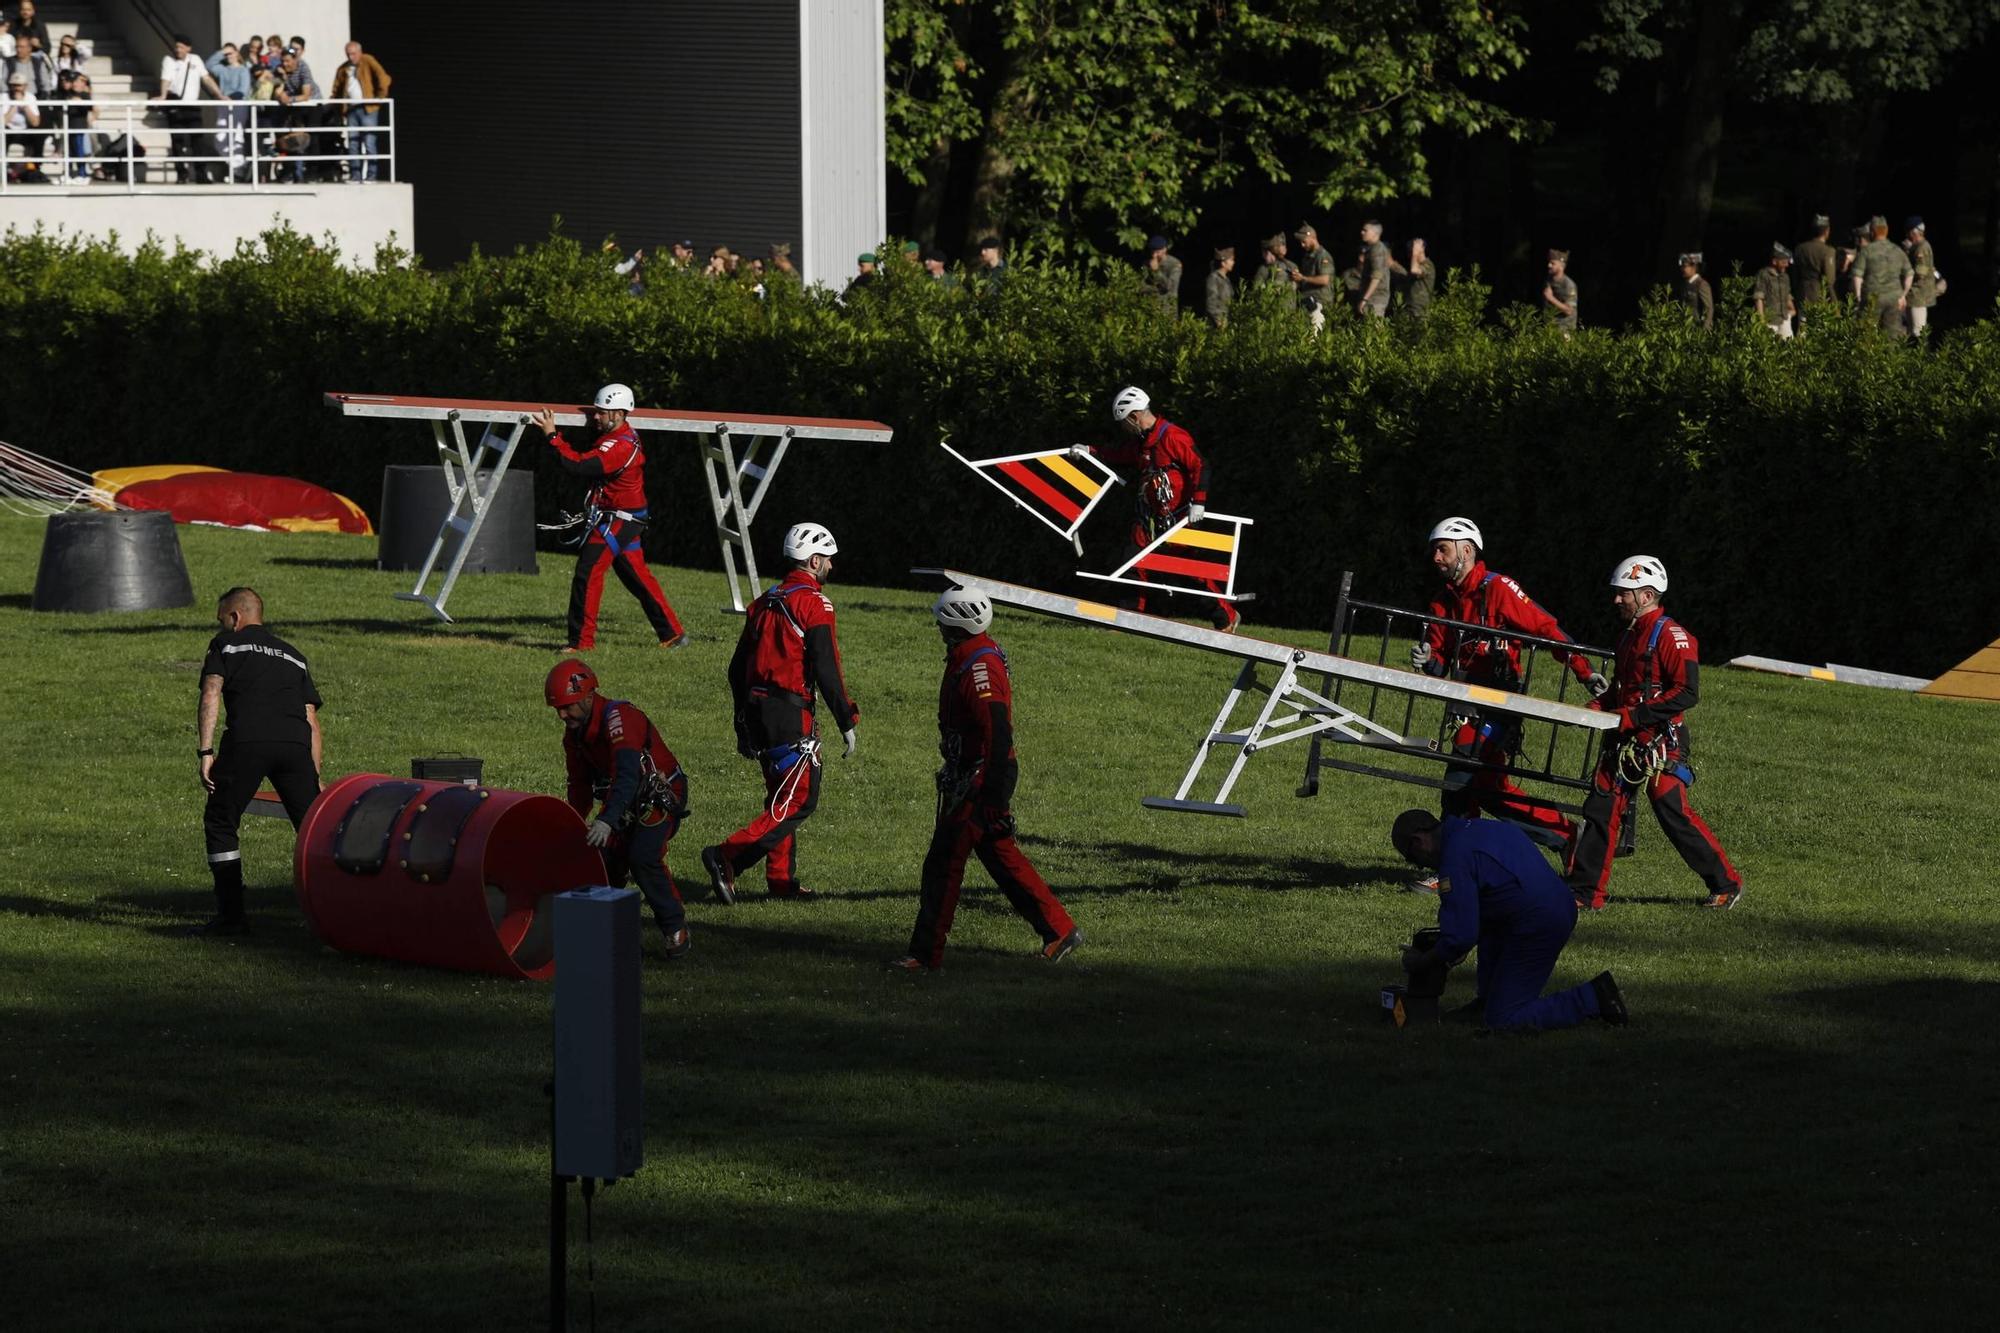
x=415, y=502
x=128, y=560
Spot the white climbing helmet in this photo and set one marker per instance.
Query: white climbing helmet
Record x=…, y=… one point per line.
x=806, y=540
x=1640, y=571
x=1130, y=399
x=1457, y=530
x=962, y=608
x=614, y=398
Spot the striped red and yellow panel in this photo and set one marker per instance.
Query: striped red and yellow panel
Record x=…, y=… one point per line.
x=1192, y=553
x=1051, y=482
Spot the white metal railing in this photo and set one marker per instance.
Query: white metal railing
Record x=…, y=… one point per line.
x=256, y=139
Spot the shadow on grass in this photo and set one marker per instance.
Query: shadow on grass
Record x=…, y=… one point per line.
x=17, y=601
x=335, y=562
x=1214, y=869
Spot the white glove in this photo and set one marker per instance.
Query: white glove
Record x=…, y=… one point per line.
x=1078, y=451
x=1195, y=512
x=848, y=738
x=598, y=833
x=1597, y=685
x=1420, y=655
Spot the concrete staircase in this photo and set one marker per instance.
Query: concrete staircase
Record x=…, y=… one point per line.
x=116, y=74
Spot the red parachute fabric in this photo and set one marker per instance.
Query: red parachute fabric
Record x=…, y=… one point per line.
x=248, y=500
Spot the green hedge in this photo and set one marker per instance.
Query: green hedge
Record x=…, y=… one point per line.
x=1834, y=498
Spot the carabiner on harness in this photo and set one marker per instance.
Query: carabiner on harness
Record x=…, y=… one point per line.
x=1639, y=762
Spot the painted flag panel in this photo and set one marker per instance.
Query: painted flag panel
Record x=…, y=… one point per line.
x=1057, y=489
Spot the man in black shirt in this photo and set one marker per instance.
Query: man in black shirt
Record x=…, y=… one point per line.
x=273, y=732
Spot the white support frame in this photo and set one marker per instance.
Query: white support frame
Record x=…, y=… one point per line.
x=724, y=473
x=1310, y=713
x=470, y=501
x=1228, y=593
x=980, y=466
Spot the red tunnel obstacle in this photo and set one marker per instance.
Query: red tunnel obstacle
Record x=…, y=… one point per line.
x=440, y=873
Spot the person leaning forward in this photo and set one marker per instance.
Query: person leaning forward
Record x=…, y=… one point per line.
x=1881, y=280
x=266, y=688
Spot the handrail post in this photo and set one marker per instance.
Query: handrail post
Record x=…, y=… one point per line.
x=131, y=141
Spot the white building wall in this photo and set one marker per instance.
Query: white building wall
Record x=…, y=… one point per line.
x=359, y=218
x=842, y=137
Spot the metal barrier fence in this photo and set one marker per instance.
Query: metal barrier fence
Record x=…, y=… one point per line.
x=251, y=144
x=1564, y=758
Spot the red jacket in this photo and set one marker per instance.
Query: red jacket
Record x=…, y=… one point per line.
x=976, y=718
x=616, y=461
x=1486, y=598
x=1172, y=472
x=1658, y=675
x=788, y=645
x=618, y=758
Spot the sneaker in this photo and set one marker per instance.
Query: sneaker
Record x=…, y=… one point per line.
x=1422, y=884
x=572, y=649
x=1584, y=903
x=909, y=963
x=1610, y=1004
x=221, y=925
x=1227, y=618
x=790, y=888
x=1057, y=950
x=678, y=641
x=719, y=875
x=678, y=943
x=1723, y=901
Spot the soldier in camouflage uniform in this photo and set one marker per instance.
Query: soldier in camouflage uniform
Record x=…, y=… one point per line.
x=1774, y=293
x=1163, y=275
x=1418, y=282
x=1815, y=268
x=1218, y=292
x=1315, y=275
x=1559, y=293
x=1276, y=270
x=1375, y=266
x=1695, y=291
x=1923, y=275
x=1882, y=280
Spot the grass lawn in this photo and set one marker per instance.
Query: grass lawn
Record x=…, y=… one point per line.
x=1197, y=1121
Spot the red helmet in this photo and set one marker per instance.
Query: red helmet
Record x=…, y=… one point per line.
x=570, y=681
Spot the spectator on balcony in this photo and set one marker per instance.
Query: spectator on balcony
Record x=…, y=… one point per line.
x=274, y=51
x=232, y=76
x=20, y=123
x=183, y=78
x=35, y=64
x=296, y=92
x=78, y=119
x=6, y=36
x=683, y=255
x=71, y=54
x=362, y=76
x=26, y=24
x=253, y=54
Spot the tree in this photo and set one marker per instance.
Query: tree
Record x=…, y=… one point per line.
x=1073, y=121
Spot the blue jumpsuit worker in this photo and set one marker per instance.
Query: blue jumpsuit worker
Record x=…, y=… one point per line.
x=614, y=755
x=1496, y=892
x=273, y=732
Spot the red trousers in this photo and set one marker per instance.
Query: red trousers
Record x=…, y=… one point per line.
x=1604, y=811
x=958, y=836
x=791, y=789
x=1487, y=790
x=623, y=554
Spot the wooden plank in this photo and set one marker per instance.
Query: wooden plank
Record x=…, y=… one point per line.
x=1965, y=685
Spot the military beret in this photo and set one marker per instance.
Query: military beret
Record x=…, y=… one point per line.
x=1156, y=242
x=1778, y=251
x=937, y=256
x=989, y=243
x=1913, y=223
x=865, y=257
x=1276, y=242
x=1879, y=221
x=1691, y=257
x=1821, y=220
x=1304, y=230
x=1225, y=252
x=911, y=248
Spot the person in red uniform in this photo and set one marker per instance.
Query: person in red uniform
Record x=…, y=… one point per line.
x=1478, y=596
x=617, y=761
x=787, y=655
x=1173, y=481
x=1656, y=680
x=976, y=791
x=614, y=518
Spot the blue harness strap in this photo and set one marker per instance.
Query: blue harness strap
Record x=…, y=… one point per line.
x=604, y=532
